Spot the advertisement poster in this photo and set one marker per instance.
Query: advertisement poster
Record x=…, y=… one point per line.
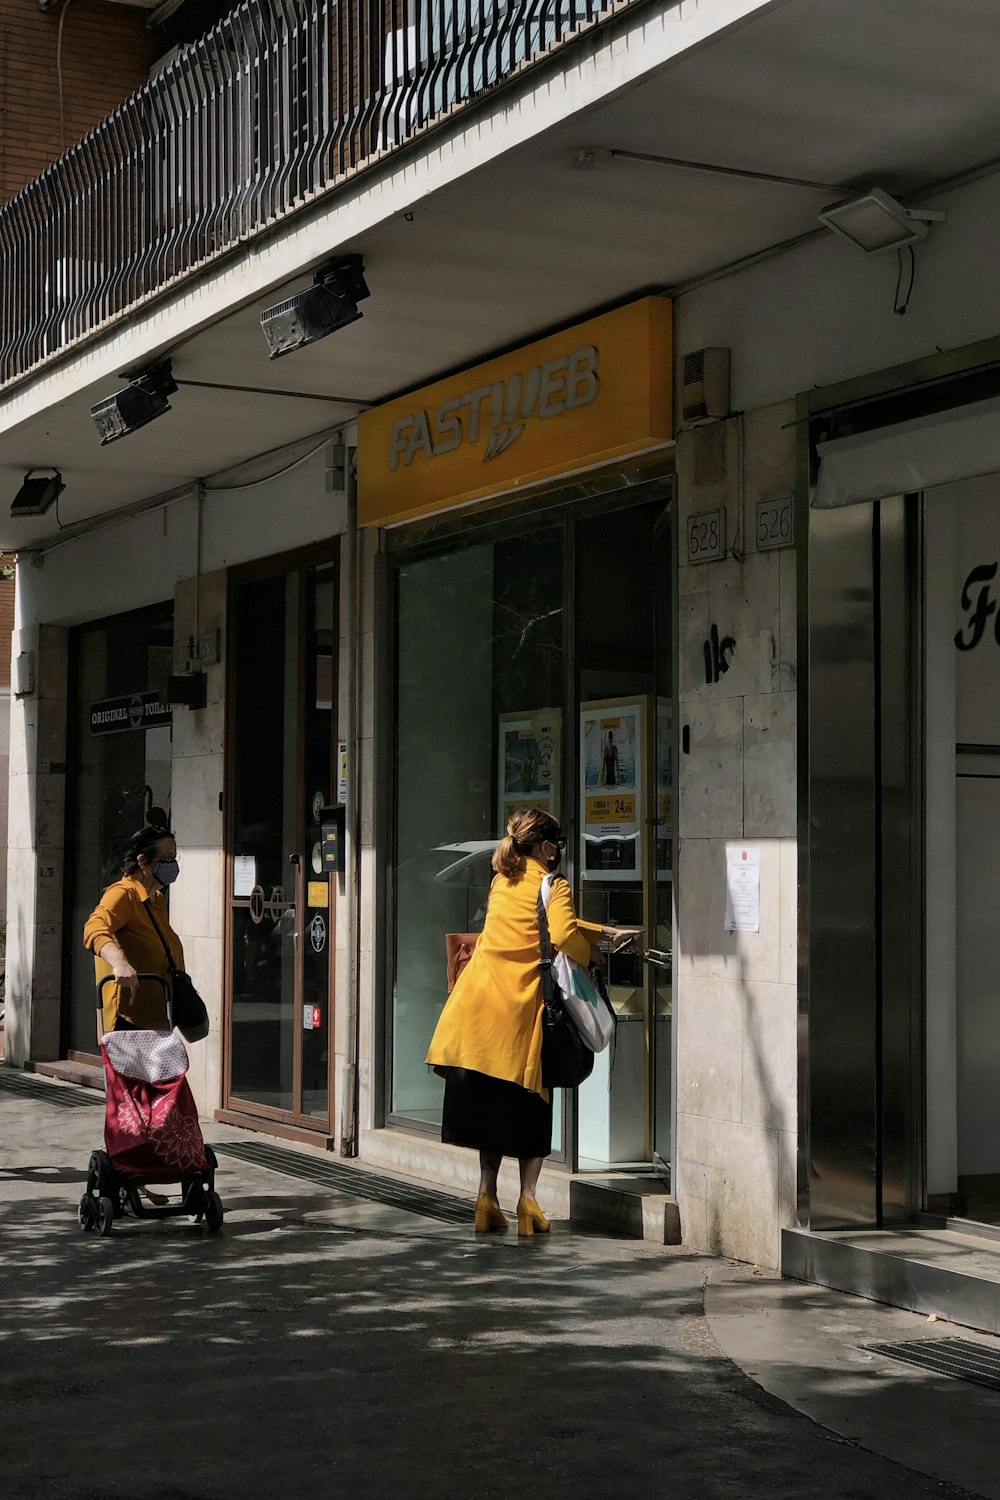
x=611, y=748
x=530, y=756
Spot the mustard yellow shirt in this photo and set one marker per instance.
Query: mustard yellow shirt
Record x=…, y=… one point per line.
x=120, y=914
x=492, y=1020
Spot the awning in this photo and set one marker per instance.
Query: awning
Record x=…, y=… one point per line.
x=936, y=449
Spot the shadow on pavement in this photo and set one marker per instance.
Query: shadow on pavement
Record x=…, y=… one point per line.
x=384, y=1356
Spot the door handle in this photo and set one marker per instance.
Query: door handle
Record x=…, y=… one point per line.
x=293, y=859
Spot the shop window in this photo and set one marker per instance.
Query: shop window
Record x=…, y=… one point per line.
x=479, y=732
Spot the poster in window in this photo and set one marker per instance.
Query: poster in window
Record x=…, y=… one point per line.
x=611, y=769
x=529, y=759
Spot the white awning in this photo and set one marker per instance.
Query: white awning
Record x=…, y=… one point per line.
x=917, y=455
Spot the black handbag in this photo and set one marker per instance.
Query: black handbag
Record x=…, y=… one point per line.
x=188, y=1010
x=566, y=1059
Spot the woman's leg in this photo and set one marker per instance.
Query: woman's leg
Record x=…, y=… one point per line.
x=530, y=1167
x=489, y=1170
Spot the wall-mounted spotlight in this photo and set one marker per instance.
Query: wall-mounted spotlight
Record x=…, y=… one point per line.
x=330, y=303
x=37, y=493
x=141, y=401
x=876, y=222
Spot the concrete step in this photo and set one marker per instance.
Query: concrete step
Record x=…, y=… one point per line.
x=87, y=1075
x=626, y=1204
x=949, y=1272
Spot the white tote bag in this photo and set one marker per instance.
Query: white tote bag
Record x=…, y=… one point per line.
x=591, y=1013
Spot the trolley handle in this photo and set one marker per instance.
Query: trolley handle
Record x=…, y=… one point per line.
x=158, y=978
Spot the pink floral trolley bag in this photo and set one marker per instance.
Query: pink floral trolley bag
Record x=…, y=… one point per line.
x=151, y=1132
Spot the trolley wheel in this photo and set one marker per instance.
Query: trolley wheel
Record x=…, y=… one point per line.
x=214, y=1212
x=87, y=1214
x=105, y=1215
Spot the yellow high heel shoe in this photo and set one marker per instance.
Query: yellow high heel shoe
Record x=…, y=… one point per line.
x=489, y=1215
x=530, y=1219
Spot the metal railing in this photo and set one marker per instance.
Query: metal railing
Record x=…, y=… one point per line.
x=274, y=105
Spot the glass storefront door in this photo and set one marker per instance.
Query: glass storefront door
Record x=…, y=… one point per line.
x=282, y=904
x=119, y=776
x=535, y=669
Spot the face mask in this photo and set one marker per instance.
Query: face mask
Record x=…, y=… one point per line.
x=167, y=871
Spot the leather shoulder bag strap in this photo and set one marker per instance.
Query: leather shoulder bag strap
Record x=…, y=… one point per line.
x=546, y=955
x=171, y=966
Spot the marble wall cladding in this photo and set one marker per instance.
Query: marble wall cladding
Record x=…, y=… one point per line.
x=736, y=1000
x=769, y=449
x=710, y=775
x=770, y=801
x=35, y=836
x=709, y=1048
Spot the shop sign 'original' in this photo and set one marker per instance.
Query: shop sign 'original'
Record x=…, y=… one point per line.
x=127, y=714
x=570, y=402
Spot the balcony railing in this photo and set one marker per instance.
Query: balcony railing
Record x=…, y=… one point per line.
x=270, y=108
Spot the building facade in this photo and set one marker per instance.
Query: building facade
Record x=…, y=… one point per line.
x=511, y=534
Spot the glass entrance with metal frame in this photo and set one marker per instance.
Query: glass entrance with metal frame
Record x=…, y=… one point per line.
x=534, y=667
x=281, y=903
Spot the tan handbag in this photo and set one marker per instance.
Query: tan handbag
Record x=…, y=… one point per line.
x=459, y=948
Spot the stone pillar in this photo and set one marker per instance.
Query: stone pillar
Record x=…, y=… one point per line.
x=35, y=845
x=197, y=910
x=735, y=993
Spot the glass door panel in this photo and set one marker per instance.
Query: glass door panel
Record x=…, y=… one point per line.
x=282, y=901
x=621, y=731
x=120, y=775
x=320, y=890
x=660, y=937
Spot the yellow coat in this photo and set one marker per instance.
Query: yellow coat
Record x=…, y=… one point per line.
x=120, y=915
x=492, y=1020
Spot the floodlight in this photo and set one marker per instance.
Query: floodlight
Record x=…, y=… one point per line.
x=330, y=303
x=37, y=493
x=876, y=222
x=141, y=401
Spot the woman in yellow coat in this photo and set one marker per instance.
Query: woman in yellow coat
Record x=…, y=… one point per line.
x=121, y=933
x=488, y=1040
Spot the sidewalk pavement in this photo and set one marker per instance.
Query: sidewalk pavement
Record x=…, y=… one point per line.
x=325, y=1346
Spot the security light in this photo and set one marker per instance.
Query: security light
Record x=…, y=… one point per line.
x=141, y=401
x=330, y=303
x=37, y=493
x=875, y=222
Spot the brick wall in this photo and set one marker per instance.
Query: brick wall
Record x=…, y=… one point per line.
x=106, y=55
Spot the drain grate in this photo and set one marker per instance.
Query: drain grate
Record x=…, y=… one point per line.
x=63, y=1095
x=351, y=1181
x=962, y=1359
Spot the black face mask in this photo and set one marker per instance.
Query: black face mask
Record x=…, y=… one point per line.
x=556, y=859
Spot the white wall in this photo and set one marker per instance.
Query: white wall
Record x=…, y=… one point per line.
x=139, y=560
x=823, y=312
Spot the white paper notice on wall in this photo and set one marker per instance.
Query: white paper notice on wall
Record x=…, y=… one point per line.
x=742, y=889
x=244, y=874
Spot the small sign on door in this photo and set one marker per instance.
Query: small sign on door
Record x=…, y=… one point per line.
x=312, y=1018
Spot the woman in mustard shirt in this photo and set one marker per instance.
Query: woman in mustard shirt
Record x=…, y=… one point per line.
x=488, y=1040
x=121, y=934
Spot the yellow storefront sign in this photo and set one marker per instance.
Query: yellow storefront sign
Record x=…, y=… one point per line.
x=611, y=809
x=570, y=402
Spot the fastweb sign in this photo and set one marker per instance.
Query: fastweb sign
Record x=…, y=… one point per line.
x=498, y=414
x=569, y=402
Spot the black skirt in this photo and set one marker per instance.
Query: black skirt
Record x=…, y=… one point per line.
x=492, y=1115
